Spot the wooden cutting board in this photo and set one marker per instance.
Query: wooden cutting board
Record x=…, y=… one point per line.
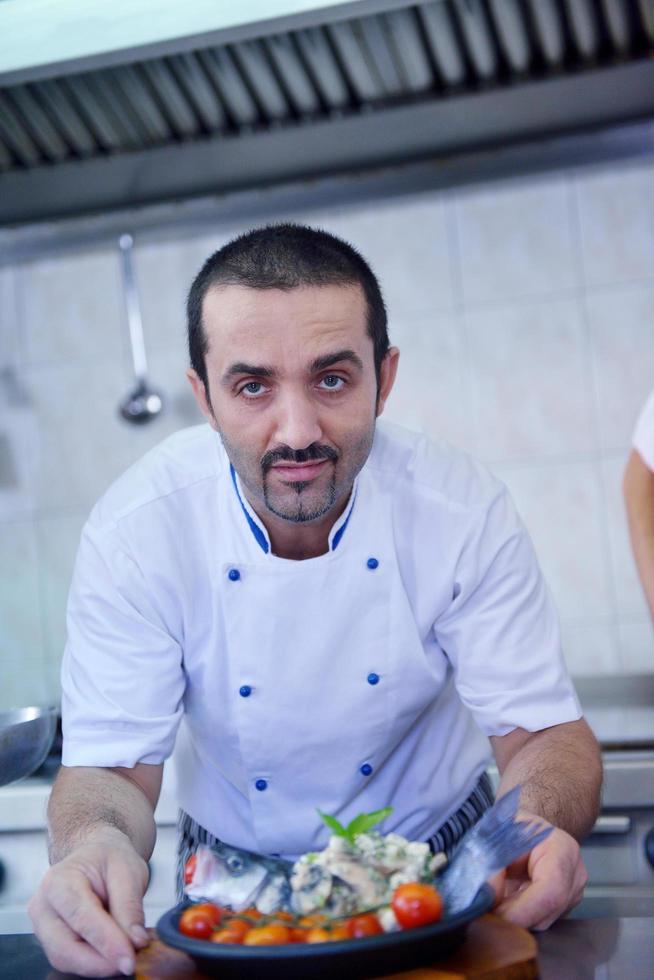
x=493, y=950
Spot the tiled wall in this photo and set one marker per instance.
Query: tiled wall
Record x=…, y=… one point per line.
x=525, y=315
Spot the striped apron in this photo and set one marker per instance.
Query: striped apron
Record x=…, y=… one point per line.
x=190, y=834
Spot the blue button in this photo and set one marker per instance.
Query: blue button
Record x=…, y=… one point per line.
x=245, y=691
x=373, y=678
x=233, y=575
x=372, y=563
x=261, y=784
x=366, y=768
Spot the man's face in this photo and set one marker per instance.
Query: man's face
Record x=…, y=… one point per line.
x=293, y=393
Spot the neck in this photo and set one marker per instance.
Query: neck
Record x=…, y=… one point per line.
x=310, y=543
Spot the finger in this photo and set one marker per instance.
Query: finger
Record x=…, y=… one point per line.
x=539, y=902
x=504, y=887
x=79, y=907
x=125, y=899
x=576, y=894
x=66, y=952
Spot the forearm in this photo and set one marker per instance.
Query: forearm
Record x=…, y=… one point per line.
x=89, y=803
x=638, y=488
x=559, y=770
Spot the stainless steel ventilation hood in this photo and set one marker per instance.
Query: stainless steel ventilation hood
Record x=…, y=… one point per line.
x=113, y=105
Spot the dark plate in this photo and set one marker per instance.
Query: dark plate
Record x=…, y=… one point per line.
x=349, y=958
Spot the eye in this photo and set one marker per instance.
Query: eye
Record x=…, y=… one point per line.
x=332, y=382
x=252, y=389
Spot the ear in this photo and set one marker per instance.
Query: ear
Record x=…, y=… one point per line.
x=200, y=392
x=387, y=374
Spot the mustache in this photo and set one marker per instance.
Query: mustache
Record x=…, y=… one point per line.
x=288, y=455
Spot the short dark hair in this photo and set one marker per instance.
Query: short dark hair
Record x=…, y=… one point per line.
x=285, y=256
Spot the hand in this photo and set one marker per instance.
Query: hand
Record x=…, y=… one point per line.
x=88, y=910
x=543, y=885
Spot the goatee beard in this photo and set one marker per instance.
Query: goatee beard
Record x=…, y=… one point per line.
x=300, y=515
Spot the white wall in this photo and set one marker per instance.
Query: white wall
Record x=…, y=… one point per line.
x=525, y=315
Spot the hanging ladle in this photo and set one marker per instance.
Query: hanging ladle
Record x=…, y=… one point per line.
x=143, y=403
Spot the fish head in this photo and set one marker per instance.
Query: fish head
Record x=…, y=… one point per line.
x=226, y=875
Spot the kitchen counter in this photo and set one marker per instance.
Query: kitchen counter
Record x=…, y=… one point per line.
x=619, y=709
x=580, y=949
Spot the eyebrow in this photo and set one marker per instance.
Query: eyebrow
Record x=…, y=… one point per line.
x=328, y=360
x=318, y=364
x=240, y=367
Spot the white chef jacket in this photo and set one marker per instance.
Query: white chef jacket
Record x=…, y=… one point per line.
x=644, y=433
x=366, y=677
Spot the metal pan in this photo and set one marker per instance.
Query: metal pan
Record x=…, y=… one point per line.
x=26, y=735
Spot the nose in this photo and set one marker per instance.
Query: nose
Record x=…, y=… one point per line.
x=298, y=422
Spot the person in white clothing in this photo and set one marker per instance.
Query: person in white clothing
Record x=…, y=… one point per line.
x=638, y=488
x=317, y=611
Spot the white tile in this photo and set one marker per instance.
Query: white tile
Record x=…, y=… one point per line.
x=24, y=683
x=531, y=390
x=591, y=649
x=405, y=241
x=21, y=634
x=626, y=583
x=84, y=443
x=637, y=646
x=8, y=317
x=561, y=506
x=72, y=308
x=616, y=211
x=515, y=239
x=164, y=273
x=430, y=393
x=58, y=540
x=19, y=445
x=621, y=323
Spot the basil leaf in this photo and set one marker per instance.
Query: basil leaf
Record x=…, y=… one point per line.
x=366, y=821
x=333, y=824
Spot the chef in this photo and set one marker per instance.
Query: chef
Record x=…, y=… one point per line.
x=638, y=486
x=315, y=610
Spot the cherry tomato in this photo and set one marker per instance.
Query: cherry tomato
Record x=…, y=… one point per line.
x=300, y=930
x=233, y=932
x=189, y=869
x=337, y=932
x=317, y=935
x=313, y=919
x=196, y=924
x=251, y=913
x=212, y=912
x=272, y=934
x=282, y=917
x=416, y=904
x=363, y=925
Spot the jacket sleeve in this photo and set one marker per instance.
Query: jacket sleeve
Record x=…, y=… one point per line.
x=122, y=673
x=501, y=631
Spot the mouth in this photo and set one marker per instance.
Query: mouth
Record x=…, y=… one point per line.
x=300, y=472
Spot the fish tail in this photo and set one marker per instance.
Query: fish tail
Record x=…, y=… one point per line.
x=494, y=842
